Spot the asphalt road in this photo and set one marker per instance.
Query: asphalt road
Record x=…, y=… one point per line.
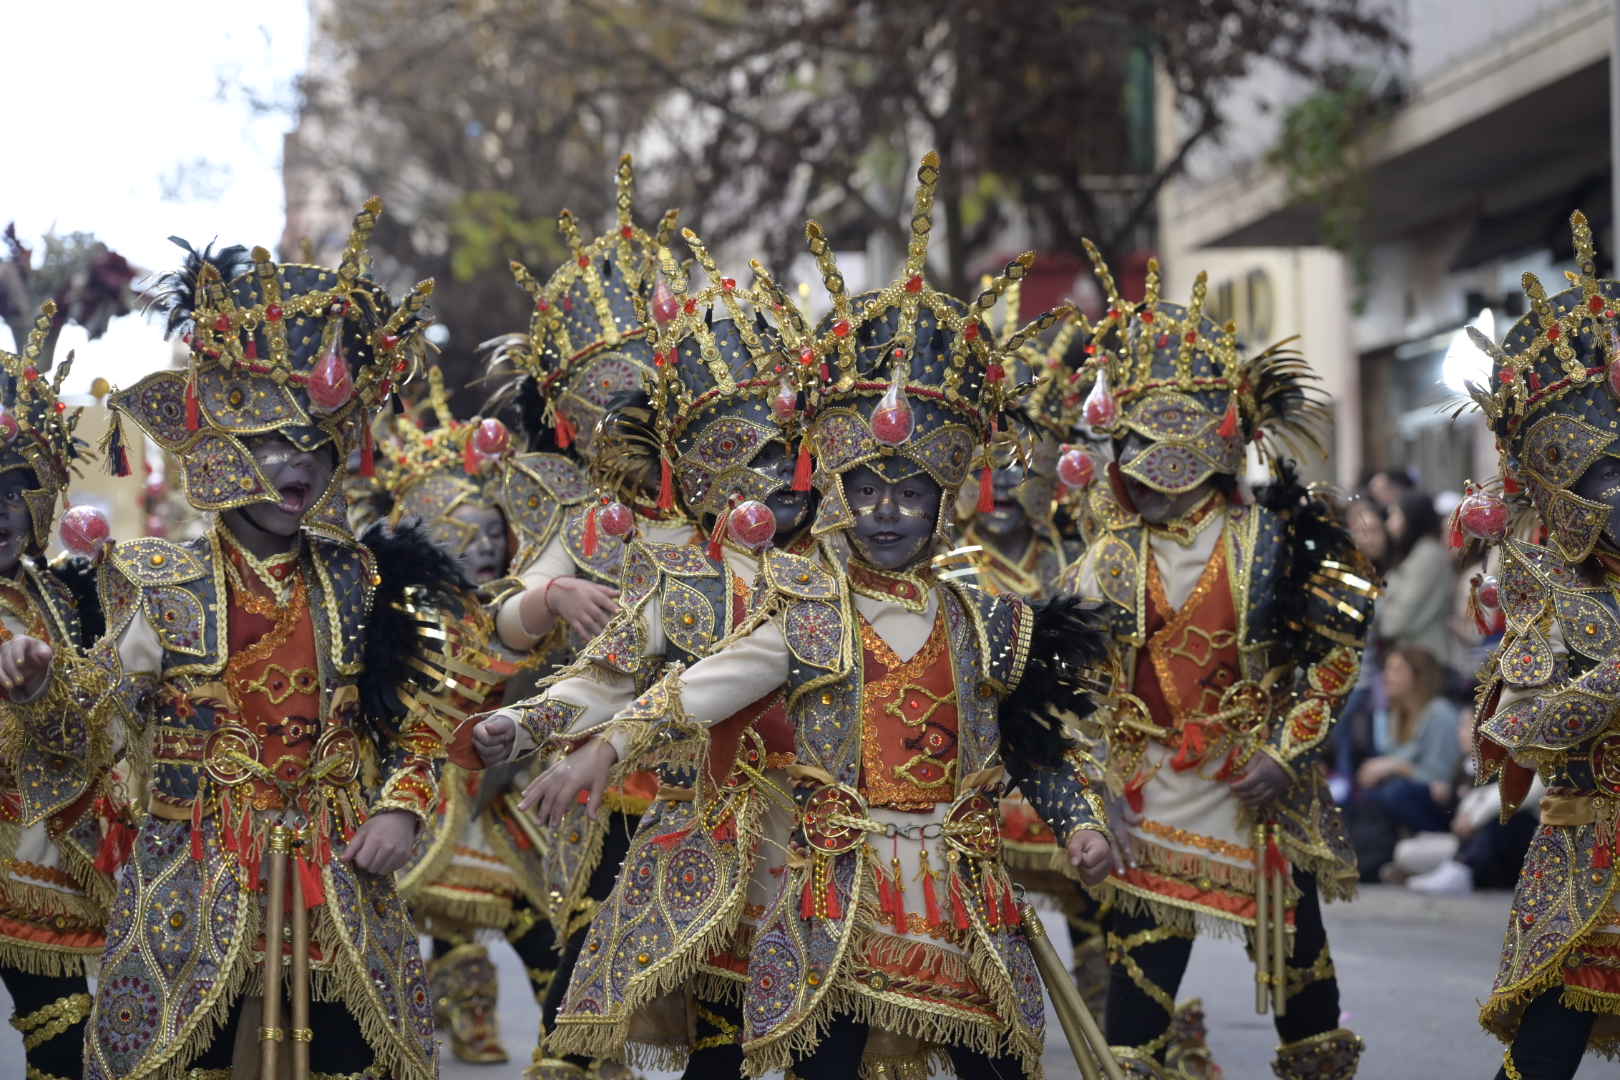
x=1412, y=971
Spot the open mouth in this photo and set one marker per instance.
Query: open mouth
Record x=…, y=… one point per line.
x=485, y=572
x=294, y=497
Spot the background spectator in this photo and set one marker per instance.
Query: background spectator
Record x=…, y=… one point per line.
x=1415, y=608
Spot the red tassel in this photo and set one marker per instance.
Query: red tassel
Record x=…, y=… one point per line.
x=193, y=409
x=1229, y=423
x=992, y=902
x=116, y=845
x=590, y=533
x=717, y=539
x=469, y=457
x=987, y=491
x=666, y=485
x=902, y=925
x=1133, y=794
x=1601, y=857
x=1275, y=863
x=885, y=894
x=931, y=900
x=1194, y=745
x=1455, y=537
x=959, y=904
x=725, y=832
x=368, y=452
x=565, y=431
x=670, y=839
x=310, y=878
x=803, y=467
x=835, y=910
x=196, y=829
x=807, y=899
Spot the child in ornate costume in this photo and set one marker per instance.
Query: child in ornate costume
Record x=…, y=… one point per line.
x=894, y=913
x=1237, y=630
x=62, y=830
x=476, y=868
x=260, y=671
x=1547, y=702
x=726, y=407
x=589, y=349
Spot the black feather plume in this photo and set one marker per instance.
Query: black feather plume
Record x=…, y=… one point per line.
x=407, y=562
x=79, y=575
x=1312, y=533
x=175, y=293
x=1070, y=636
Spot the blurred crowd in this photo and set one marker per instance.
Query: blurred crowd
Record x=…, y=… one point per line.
x=1403, y=766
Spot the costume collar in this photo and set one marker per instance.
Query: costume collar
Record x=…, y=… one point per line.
x=272, y=575
x=909, y=588
x=1184, y=529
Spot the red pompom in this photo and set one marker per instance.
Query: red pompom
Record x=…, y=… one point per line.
x=84, y=529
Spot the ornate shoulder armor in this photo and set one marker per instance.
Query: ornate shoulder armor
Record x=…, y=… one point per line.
x=603, y=565
x=539, y=489
x=1002, y=625
x=1539, y=589
x=57, y=601
x=798, y=576
x=174, y=585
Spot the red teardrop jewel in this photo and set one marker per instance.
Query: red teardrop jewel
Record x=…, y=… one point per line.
x=1483, y=515
x=1076, y=469
x=84, y=529
x=892, y=421
x=752, y=524
x=491, y=438
x=664, y=305
x=1101, y=410
x=1490, y=591
x=330, y=385
x=8, y=426
x=785, y=403
x=616, y=519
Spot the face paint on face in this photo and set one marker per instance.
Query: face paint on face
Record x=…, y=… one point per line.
x=483, y=559
x=16, y=523
x=299, y=477
x=790, y=508
x=1008, y=518
x=1155, y=507
x=894, y=519
x=1601, y=483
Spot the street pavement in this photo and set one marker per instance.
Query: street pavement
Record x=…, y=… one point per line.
x=1412, y=970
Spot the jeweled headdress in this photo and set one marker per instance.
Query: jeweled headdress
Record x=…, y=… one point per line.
x=911, y=378
x=1554, y=396
x=726, y=385
x=36, y=427
x=588, y=338
x=305, y=352
x=1178, y=378
x=432, y=472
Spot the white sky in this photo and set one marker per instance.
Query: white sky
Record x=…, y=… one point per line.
x=109, y=101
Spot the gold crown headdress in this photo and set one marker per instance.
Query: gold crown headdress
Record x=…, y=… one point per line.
x=726, y=385
x=1553, y=400
x=910, y=372
x=36, y=426
x=1175, y=376
x=588, y=338
x=304, y=352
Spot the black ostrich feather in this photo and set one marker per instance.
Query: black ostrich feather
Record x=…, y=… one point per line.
x=79, y=575
x=1313, y=533
x=1069, y=637
x=408, y=564
x=175, y=293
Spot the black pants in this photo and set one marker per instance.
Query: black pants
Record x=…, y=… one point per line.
x=620, y=827
x=338, y=1048
x=61, y=1054
x=717, y=1046
x=1149, y=961
x=838, y=1057
x=1551, y=1039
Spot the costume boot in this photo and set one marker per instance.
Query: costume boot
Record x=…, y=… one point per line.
x=1331, y=1055
x=1188, y=1056
x=464, y=988
x=1138, y=1063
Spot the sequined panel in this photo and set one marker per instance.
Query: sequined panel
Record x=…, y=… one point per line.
x=1560, y=894
x=842, y=436
x=621, y=645
x=1527, y=660
x=814, y=632
x=148, y=560
x=177, y=616
x=799, y=576
x=219, y=474
x=689, y=617
x=1553, y=721
x=246, y=404
x=158, y=404
x=977, y=729
x=609, y=557
x=1170, y=468
x=1573, y=523
x=1167, y=416
x=640, y=574
x=829, y=726
x=1560, y=448
x=726, y=440
x=946, y=452
x=1116, y=569
x=606, y=376
x=560, y=475
x=682, y=560
x=1589, y=625
x=343, y=571
x=793, y=960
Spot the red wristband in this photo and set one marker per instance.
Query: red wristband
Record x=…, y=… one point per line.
x=545, y=598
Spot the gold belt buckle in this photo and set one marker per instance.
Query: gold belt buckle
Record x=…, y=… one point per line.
x=342, y=746
x=223, y=744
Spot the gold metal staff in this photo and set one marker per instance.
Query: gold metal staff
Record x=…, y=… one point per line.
x=1262, y=934
x=1086, y=1040
x=271, y=1033
x=1279, y=927
x=1270, y=928
x=300, y=1032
